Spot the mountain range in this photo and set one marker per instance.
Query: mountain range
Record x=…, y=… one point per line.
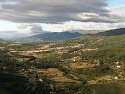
x=53, y=36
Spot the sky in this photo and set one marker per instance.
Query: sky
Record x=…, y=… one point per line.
x=22, y=18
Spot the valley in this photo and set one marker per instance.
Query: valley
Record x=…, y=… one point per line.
x=82, y=65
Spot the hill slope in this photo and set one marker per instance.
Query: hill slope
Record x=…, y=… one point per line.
x=55, y=36
x=105, y=48
x=113, y=32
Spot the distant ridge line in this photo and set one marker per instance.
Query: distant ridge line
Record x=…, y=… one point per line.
x=114, y=32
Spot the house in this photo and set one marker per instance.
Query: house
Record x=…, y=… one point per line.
x=118, y=66
x=40, y=80
x=116, y=62
x=116, y=78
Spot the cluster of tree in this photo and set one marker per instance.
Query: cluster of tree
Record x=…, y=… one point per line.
x=15, y=84
x=96, y=71
x=108, y=56
x=7, y=63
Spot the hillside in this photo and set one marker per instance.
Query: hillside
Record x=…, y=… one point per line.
x=52, y=36
x=101, y=47
x=113, y=32
x=96, y=41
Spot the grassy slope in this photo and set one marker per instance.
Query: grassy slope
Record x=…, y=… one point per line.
x=108, y=46
x=114, y=88
x=97, y=41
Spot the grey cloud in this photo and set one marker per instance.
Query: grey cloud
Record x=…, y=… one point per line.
x=2, y=0
x=37, y=29
x=32, y=28
x=53, y=11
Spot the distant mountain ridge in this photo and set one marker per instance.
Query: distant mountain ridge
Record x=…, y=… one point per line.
x=52, y=36
x=113, y=32
x=1, y=40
